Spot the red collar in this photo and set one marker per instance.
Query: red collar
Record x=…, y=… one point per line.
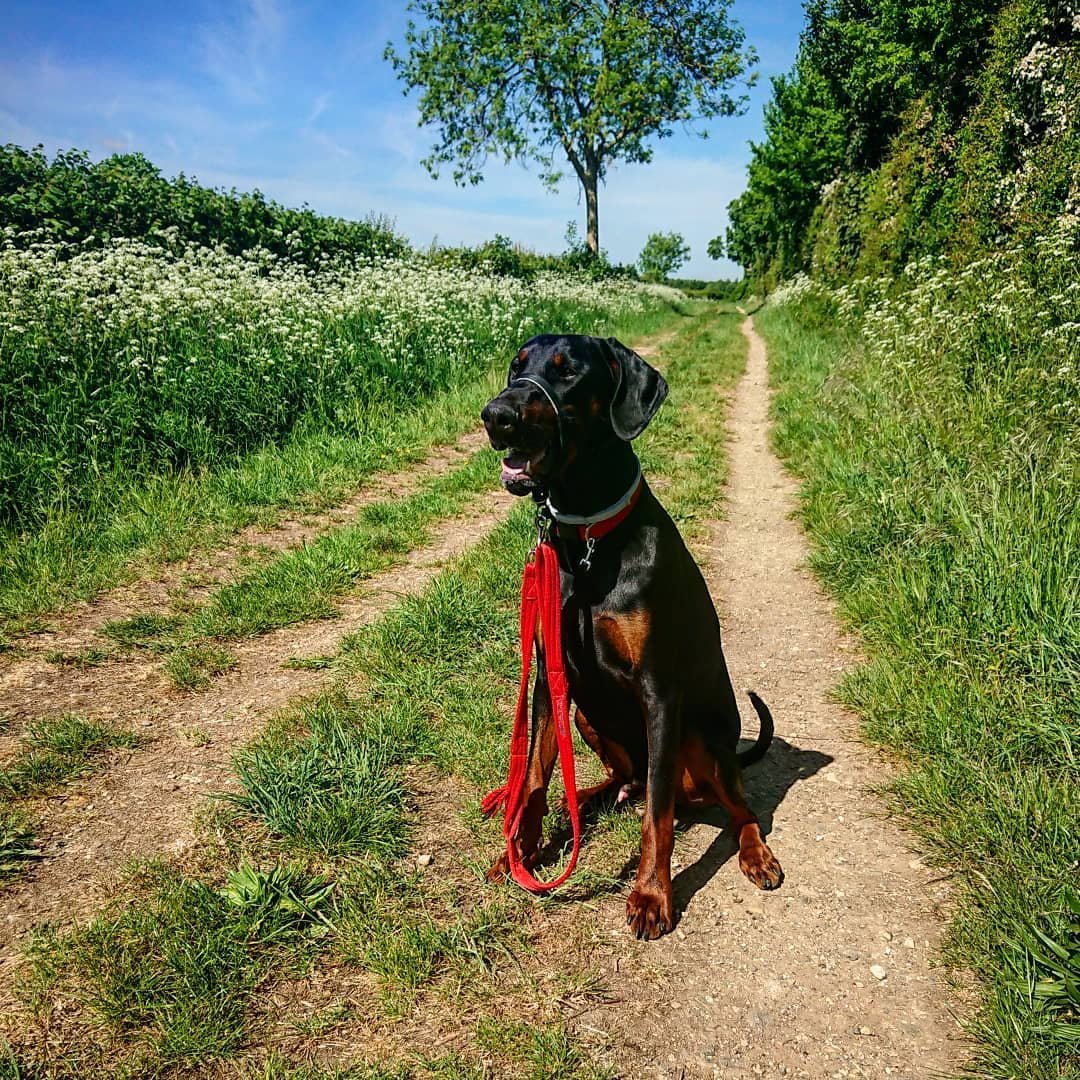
x=595, y=526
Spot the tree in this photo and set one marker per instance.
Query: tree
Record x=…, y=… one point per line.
x=662, y=255
x=594, y=79
x=715, y=248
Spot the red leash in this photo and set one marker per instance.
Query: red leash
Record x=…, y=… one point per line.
x=541, y=597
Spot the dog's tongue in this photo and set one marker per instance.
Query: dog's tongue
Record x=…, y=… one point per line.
x=513, y=466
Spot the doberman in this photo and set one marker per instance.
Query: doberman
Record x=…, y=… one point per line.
x=640, y=633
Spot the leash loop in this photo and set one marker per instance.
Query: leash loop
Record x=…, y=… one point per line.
x=541, y=604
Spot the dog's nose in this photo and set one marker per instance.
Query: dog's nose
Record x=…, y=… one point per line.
x=499, y=418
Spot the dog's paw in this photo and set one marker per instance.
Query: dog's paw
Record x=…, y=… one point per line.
x=649, y=914
x=760, y=865
x=500, y=870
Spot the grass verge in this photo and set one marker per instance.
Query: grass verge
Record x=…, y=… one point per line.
x=296, y=585
x=132, y=528
x=944, y=507
x=410, y=948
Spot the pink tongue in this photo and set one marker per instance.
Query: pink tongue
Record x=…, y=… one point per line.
x=512, y=472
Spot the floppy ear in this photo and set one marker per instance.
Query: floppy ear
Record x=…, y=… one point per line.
x=639, y=391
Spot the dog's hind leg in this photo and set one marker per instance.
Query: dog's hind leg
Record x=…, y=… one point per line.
x=616, y=764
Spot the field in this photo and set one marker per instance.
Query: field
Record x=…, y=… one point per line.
x=316, y=628
x=156, y=394
x=257, y=614
x=934, y=422
x=299, y=924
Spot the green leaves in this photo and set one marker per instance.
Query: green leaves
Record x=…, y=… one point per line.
x=662, y=255
x=909, y=128
x=593, y=82
x=75, y=199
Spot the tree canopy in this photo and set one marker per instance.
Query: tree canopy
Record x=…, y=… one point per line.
x=910, y=127
x=663, y=254
x=594, y=81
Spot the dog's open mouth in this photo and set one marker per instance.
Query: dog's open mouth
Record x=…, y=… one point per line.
x=519, y=470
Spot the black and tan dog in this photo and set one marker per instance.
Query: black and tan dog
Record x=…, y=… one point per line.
x=640, y=633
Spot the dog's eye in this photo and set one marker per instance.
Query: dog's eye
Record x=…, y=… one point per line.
x=562, y=365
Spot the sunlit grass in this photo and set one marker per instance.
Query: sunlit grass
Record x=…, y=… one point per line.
x=937, y=442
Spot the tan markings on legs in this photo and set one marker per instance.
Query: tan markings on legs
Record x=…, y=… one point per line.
x=613, y=757
x=702, y=783
x=756, y=860
x=650, y=908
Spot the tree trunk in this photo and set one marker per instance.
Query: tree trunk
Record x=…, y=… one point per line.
x=592, y=230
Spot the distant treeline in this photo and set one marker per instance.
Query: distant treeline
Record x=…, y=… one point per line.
x=712, y=290
x=911, y=127
x=73, y=198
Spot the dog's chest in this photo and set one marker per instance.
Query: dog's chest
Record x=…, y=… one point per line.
x=603, y=652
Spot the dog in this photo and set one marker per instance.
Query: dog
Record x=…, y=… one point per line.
x=641, y=637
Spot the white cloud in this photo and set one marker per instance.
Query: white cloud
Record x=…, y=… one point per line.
x=237, y=46
x=318, y=107
x=327, y=142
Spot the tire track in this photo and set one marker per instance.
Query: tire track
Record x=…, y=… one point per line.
x=146, y=802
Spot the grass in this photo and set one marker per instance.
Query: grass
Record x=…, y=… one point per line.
x=49, y=753
x=141, y=631
x=195, y=666
x=296, y=585
x=136, y=522
x=17, y=846
x=172, y=972
x=330, y=789
x=53, y=751
x=940, y=489
x=301, y=584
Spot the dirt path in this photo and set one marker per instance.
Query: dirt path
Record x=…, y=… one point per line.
x=132, y=683
x=192, y=578
x=831, y=976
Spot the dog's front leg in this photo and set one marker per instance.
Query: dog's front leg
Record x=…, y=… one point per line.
x=650, y=908
x=543, y=749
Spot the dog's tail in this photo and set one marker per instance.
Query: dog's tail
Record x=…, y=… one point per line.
x=764, y=739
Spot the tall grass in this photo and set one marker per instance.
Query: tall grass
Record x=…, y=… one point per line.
x=151, y=393
x=934, y=422
x=132, y=357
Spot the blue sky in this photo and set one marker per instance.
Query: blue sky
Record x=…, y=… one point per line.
x=293, y=97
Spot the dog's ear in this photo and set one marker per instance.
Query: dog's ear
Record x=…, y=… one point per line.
x=639, y=391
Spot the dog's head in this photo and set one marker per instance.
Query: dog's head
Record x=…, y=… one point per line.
x=566, y=393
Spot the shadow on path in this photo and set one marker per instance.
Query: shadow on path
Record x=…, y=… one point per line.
x=767, y=784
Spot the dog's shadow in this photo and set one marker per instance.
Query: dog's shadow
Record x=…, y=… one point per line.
x=766, y=785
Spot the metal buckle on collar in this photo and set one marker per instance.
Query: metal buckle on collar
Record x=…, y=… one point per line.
x=544, y=522
x=590, y=548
